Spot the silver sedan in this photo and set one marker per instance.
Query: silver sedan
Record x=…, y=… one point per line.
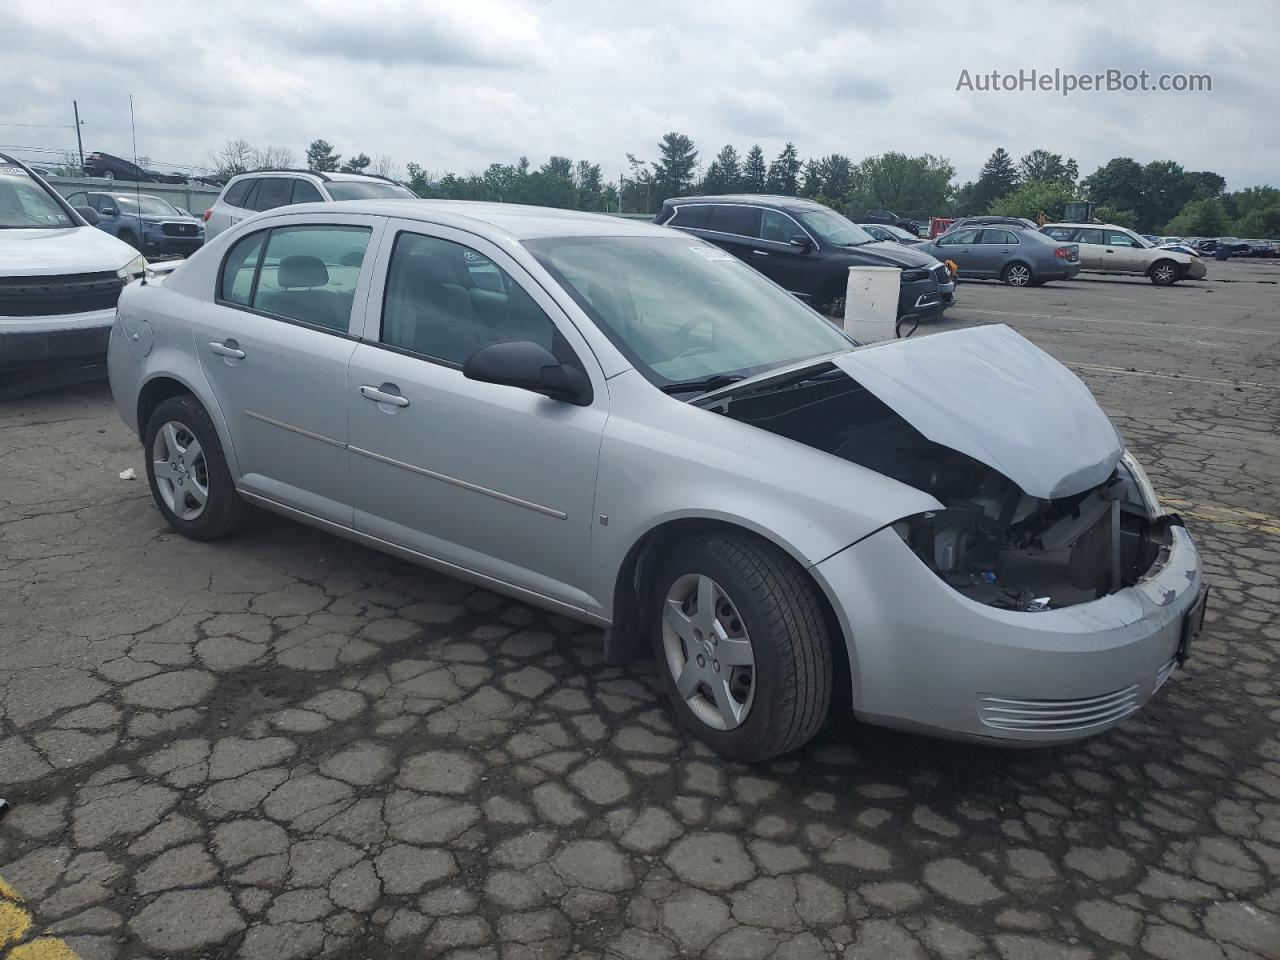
x=625, y=425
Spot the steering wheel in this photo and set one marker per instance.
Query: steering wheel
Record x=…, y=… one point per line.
x=684, y=331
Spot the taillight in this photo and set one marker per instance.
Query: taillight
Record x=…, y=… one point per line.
x=207, y=214
x=1061, y=252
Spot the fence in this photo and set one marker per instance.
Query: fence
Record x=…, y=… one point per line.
x=194, y=198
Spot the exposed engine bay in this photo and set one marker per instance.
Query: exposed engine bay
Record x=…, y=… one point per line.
x=993, y=543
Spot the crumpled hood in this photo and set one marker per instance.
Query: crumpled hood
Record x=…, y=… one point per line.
x=996, y=397
x=39, y=253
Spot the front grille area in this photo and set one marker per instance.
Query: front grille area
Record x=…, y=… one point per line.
x=1030, y=716
x=50, y=296
x=178, y=229
x=942, y=273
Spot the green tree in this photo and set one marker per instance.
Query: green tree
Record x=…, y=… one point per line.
x=673, y=172
x=964, y=202
x=829, y=176
x=724, y=174
x=1031, y=199
x=320, y=156
x=997, y=178
x=587, y=179
x=1043, y=165
x=1121, y=218
x=356, y=164
x=753, y=170
x=1118, y=184
x=637, y=188
x=1206, y=217
x=906, y=185
x=784, y=173
x=420, y=182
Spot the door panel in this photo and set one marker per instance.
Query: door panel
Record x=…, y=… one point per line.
x=281, y=379
x=1092, y=250
x=495, y=479
x=962, y=247
x=774, y=255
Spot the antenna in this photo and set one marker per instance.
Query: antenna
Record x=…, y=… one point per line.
x=137, y=187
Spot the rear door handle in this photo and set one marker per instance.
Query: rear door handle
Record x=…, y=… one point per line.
x=759, y=253
x=378, y=396
x=228, y=348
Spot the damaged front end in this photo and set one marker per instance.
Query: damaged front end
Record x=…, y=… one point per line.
x=1041, y=507
x=998, y=546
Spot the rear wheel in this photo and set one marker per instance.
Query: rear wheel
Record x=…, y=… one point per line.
x=188, y=472
x=1017, y=274
x=1164, y=273
x=743, y=645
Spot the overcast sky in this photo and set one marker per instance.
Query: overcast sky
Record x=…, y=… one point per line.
x=457, y=85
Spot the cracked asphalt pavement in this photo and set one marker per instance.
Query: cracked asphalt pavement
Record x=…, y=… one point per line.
x=287, y=746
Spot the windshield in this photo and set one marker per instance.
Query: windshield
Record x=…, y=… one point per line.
x=365, y=190
x=899, y=233
x=830, y=227
x=682, y=310
x=146, y=206
x=24, y=204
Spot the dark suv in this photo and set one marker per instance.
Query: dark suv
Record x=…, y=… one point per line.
x=808, y=248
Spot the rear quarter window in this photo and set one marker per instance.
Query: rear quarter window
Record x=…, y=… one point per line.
x=237, y=193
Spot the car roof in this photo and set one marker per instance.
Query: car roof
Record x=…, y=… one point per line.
x=1097, y=226
x=515, y=220
x=760, y=199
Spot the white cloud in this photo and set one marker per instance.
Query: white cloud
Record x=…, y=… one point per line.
x=457, y=86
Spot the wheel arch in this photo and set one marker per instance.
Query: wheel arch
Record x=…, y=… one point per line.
x=626, y=638
x=163, y=386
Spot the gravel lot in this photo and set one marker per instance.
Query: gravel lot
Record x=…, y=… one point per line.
x=287, y=746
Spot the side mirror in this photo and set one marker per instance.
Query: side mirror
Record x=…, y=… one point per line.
x=90, y=215
x=108, y=211
x=529, y=366
x=801, y=241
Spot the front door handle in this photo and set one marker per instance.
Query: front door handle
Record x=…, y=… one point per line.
x=379, y=396
x=227, y=348
x=759, y=253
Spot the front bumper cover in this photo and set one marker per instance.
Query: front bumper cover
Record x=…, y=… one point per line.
x=925, y=657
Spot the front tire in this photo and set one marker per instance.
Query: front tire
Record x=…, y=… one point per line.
x=1017, y=274
x=131, y=239
x=742, y=644
x=1164, y=273
x=187, y=471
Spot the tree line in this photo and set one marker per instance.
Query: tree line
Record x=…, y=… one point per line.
x=1156, y=197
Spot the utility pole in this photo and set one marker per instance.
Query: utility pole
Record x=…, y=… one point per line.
x=79, y=143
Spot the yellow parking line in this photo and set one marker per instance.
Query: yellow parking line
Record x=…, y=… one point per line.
x=16, y=924
x=1213, y=513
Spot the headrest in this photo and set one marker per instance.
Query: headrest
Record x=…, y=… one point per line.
x=301, y=270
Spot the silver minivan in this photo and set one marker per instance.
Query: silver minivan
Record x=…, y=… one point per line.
x=251, y=193
x=627, y=425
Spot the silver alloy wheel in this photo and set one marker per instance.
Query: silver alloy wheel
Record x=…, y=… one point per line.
x=182, y=476
x=1018, y=275
x=708, y=651
x=1164, y=273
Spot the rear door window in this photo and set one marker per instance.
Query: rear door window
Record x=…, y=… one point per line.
x=693, y=215
x=1005, y=237
x=237, y=193
x=305, y=192
x=959, y=238
x=309, y=274
x=1090, y=236
x=273, y=192
x=735, y=219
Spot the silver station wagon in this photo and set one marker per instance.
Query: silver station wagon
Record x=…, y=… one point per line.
x=624, y=424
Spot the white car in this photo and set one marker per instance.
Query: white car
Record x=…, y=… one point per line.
x=251, y=193
x=1107, y=248
x=60, y=279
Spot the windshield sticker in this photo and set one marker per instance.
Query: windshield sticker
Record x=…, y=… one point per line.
x=17, y=170
x=711, y=253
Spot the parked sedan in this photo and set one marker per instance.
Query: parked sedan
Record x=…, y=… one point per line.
x=150, y=224
x=1108, y=248
x=626, y=425
x=808, y=248
x=1017, y=255
x=887, y=231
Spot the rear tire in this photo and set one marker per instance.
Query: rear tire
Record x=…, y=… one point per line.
x=762, y=599
x=187, y=471
x=1017, y=274
x=1164, y=273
